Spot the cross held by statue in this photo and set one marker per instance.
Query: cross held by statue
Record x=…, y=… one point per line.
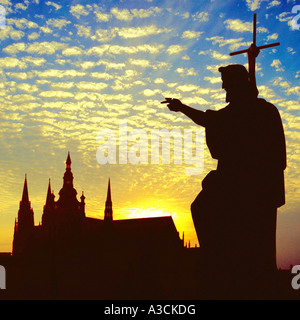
x=252, y=53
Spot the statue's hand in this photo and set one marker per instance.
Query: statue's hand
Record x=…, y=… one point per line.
x=173, y=104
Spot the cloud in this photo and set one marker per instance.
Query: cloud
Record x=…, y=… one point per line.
x=277, y=64
x=103, y=97
x=214, y=68
x=266, y=92
x=186, y=57
x=27, y=87
x=286, y=17
x=91, y=86
x=187, y=88
x=293, y=90
x=54, y=73
x=137, y=32
x=34, y=61
x=15, y=48
x=113, y=65
x=55, y=5
x=188, y=34
x=273, y=36
x=21, y=6
x=83, y=31
x=62, y=62
x=97, y=50
x=254, y=5
x=123, y=14
x=140, y=62
x=10, y=32
x=101, y=75
x=56, y=94
x=22, y=23
x=152, y=49
x=45, y=47
x=150, y=93
x=105, y=35
x=17, y=75
x=100, y=16
x=57, y=23
x=119, y=85
x=195, y=100
x=78, y=10
x=46, y=29
x=274, y=3
x=240, y=26
x=21, y=98
x=201, y=16
x=278, y=82
x=186, y=71
x=33, y=36
x=213, y=80
x=72, y=51
x=290, y=105
x=126, y=15
x=145, y=13
x=219, y=56
x=61, y=85
x=117, y=49
x=233, y=43
x=86, y=64
x=10, y=62
x=175, y=49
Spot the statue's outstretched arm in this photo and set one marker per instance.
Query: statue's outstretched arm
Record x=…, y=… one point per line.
x=198, y=116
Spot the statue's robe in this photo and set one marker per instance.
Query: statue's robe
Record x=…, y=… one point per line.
x=235, y=213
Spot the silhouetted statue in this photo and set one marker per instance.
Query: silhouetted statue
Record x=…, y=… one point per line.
x=235, y=213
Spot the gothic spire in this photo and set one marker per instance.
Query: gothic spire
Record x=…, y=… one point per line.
x=25, y=198
x=25, y=214
x=108, y=212
x=108, y=197
x=68, y=162
x=50, y=196
x=68, y=176
x=48, y=192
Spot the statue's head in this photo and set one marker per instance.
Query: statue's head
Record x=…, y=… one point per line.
x=236, y=83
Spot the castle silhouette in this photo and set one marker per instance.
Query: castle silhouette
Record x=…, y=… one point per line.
x=69, y=255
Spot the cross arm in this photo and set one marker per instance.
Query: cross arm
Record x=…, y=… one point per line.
x=260, y=47
x=269, y=45
x=238, y=52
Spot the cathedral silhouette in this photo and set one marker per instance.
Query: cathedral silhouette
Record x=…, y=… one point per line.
x=69, y=255
x=72, y=256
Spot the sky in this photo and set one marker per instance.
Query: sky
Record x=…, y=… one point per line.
x=71, y=69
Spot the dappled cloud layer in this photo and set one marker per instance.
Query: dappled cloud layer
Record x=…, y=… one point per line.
x=69, y=71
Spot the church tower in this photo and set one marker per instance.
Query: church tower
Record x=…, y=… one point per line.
x=67, y=212
x=24, y=225
x=25, y=214
x=108, y=212
x=67, y=201
x=49, y=209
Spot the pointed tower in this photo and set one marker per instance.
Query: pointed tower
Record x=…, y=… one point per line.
x=82, y=205
x=50, y=197
x=108, y=212
x=67, y=194
x=68, y=176
x=49, y=207
x=24, y=225
x=25, y=214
